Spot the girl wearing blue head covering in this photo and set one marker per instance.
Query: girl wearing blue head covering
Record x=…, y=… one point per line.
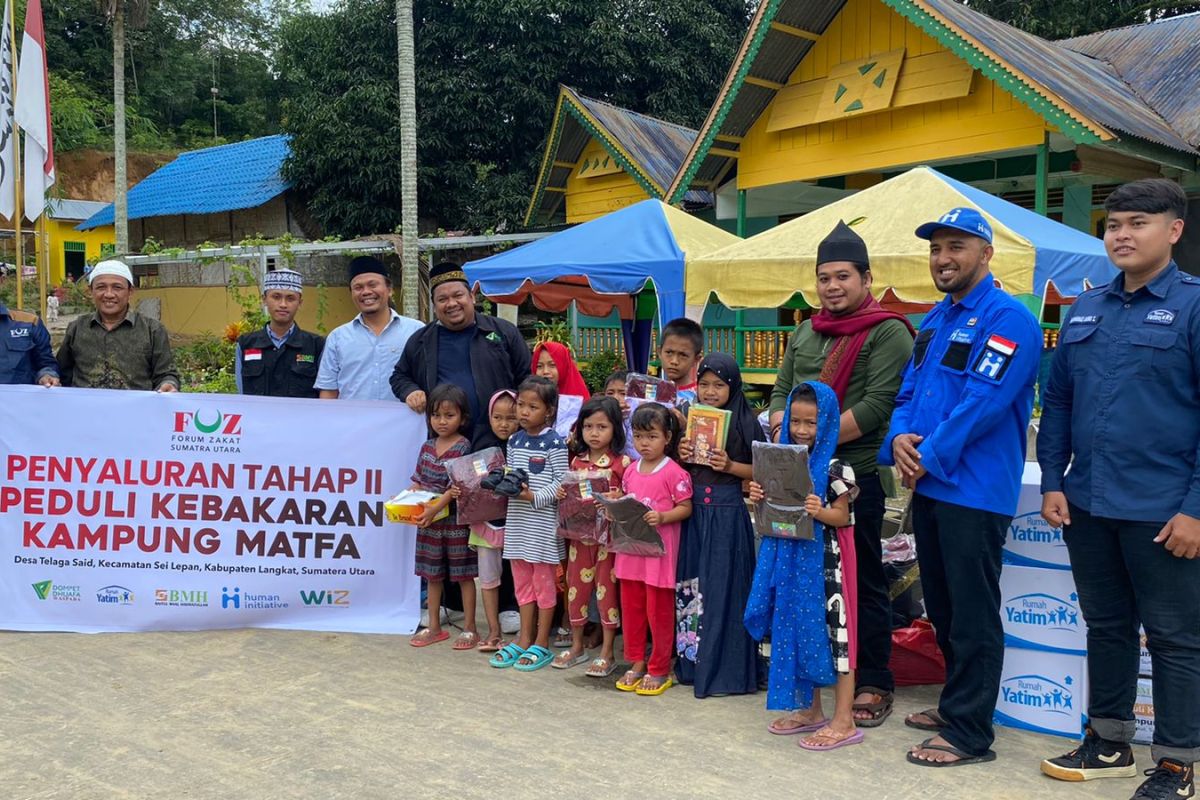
x=804, y=591
x=716, y=553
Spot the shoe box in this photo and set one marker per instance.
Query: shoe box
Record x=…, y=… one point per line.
x=1143, y=712
x=1031, y=542
x=1040, y=610
x=1043, y=691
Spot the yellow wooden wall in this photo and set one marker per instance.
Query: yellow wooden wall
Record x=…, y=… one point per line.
x=192, y=310
x=589, y=198
x=988, y=120
x=60, y=231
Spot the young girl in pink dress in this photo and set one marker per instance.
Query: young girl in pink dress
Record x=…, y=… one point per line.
x=648, y=582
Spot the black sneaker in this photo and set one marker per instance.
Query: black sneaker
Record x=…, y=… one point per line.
x=1094, y=758
x=1170, y=780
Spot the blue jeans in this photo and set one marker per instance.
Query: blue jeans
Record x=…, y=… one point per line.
x=1124, y=578
x=958, y=549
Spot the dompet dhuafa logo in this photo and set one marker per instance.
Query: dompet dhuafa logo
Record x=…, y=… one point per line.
x=49, y=590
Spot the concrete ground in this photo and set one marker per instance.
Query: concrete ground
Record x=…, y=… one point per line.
x=257, y=714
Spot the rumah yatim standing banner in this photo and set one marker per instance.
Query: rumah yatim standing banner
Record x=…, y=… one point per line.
x=133, y=511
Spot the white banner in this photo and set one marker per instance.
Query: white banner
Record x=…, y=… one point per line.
x=132, y=511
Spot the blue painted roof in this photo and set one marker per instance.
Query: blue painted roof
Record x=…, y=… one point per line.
x=224, y=178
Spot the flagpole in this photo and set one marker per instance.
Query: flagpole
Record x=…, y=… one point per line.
x=43, y=263
x=12, y=24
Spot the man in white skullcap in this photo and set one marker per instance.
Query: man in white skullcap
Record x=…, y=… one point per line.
x=116, y=348
x=279, y=359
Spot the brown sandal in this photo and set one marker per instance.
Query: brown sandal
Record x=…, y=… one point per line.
x=879, y=710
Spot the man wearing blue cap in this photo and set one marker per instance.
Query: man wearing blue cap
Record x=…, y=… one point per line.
x=957, y=438
x=279, y=359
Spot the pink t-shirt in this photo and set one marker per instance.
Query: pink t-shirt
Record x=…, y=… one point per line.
x=663, y=489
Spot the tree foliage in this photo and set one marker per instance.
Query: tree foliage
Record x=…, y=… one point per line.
x=184, y=49
x=487, y=77
x=1056, y=19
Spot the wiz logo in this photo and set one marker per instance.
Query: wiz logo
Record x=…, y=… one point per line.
x=326, y=597
x=224, y=425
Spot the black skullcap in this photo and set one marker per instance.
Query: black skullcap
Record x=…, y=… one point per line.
x=843, y=244
x=444, y=272
x=361, y=265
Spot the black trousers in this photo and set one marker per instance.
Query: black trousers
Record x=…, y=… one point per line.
x=959, y=552
x=874, y=605
x=1124, y=578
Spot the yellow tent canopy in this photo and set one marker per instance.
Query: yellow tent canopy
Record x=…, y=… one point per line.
x=766, y=270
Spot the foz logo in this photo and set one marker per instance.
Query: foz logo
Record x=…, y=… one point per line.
x=1039, y=692
x=1043, y=611
x=221, y=425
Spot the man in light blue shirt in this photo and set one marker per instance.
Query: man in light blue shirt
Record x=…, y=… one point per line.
x=359, y=356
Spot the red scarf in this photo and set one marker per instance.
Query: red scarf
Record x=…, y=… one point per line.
x=851, y=331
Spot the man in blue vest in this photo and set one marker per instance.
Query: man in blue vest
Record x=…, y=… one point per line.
x=1122, y=409
x=957, y=438
x=279, y=359
x=25, y=355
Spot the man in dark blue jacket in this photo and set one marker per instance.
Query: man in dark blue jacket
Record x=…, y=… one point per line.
x=1122, y=410
x=958, y=439
x=25, y=355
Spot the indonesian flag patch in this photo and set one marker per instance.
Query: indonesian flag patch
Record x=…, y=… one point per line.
x=252, y=355
x=994, y=359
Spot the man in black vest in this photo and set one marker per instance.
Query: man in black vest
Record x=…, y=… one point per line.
x=279, y=360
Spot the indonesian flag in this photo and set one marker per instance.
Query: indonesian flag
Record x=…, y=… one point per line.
x=32, y=112
x=8, y=167
x=1002, y=345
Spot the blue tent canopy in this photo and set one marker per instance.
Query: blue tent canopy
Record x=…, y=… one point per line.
x=620, y=253
x=1064, y=256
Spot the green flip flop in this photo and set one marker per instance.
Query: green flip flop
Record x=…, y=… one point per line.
x=540, y=655
x=507, y=656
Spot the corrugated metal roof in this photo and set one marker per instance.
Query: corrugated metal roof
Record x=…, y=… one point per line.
x=1141, y=81
x=224, y=178
x=655, y=148
x=1161, y=61
x=67, y=209
x=1089, y=85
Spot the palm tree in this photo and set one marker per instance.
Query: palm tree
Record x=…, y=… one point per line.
x=405, y=47
x=120, y=12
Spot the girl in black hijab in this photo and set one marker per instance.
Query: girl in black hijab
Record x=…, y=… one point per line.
x=716, y=559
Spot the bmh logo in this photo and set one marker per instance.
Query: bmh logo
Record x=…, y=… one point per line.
x=221, y=425
x=1043, y=611
x=115, y=596
x=1039, y=692
x=339, y=598
x=191, y=598
x=231, y=600
x=48, y=590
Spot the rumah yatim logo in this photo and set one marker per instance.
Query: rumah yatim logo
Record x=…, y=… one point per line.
x=181, y=598
x=239, y=600
x=206, y=431
x=114, y=596
x=49, y=590
x=335, y=598
x=1041, y=693
x=1042, y=610
x=1032, y=528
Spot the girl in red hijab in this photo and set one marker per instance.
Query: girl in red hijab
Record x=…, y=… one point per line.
x=553, y=360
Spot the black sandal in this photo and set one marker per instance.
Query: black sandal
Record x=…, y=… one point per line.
x=964, y=759
x=879, y=710
x=932, y=713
